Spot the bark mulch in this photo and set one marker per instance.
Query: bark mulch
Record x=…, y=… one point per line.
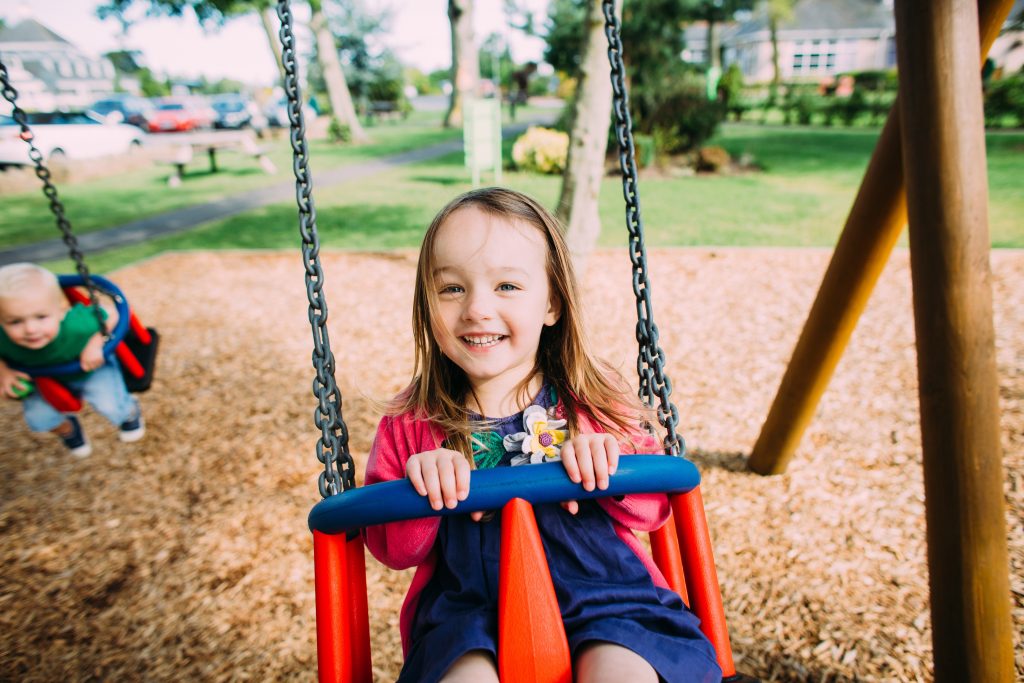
x=186, y=556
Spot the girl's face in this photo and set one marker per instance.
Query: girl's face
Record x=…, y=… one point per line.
x=493, y=297
x=32, y=319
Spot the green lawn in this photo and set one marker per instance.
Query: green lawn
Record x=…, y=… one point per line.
x=801, y=198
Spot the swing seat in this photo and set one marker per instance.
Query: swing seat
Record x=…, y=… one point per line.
x=527, y=603
x=133, y=345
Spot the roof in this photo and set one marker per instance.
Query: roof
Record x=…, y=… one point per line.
x=29, y=31
x=816, y=15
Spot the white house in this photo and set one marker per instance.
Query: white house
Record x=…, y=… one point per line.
x=822, y=38
x=49, y=72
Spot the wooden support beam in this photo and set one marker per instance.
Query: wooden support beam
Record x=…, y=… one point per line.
x=947, y=202
x=871, y=231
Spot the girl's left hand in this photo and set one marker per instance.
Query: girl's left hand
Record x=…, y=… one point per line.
x=589, y=459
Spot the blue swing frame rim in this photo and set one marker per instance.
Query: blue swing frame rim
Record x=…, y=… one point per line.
x=116, y=336
x=491, y=489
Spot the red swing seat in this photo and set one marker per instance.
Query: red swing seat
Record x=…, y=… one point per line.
x=532, y=642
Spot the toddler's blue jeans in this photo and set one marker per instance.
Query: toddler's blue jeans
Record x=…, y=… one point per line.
x=103, y=389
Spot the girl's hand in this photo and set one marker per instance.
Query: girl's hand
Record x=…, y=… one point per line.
x=442, y=475
x=10, y=380
x=589, y=459
x=92, y=355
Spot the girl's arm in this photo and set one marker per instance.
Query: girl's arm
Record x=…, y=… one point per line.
x=398, y=545
x=639, y=511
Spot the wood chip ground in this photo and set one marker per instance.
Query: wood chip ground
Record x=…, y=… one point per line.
x=186, y=556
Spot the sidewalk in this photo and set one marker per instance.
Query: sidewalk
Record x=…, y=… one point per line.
x=190, y=217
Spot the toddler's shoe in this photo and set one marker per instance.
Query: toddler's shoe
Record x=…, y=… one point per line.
x=76, y=442
x=133, y=429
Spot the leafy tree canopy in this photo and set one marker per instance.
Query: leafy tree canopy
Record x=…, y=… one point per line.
x=205, y=10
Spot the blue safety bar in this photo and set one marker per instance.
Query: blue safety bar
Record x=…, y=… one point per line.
x=490, y=489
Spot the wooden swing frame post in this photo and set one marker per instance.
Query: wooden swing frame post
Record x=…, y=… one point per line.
x=947, y=193
x=878, y=215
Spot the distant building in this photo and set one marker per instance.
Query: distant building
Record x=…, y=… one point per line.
x=822, y=38
x=49, y=72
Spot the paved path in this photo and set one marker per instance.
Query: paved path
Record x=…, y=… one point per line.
x=192, y=216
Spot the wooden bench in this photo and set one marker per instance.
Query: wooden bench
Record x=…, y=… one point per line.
x=182, y=149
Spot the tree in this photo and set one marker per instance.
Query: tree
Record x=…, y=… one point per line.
x=714, y=12
x=588, y=140
x=465, y=62
x=779, y=12
x=334, y=77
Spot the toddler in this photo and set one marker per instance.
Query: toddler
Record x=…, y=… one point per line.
x=39, y=329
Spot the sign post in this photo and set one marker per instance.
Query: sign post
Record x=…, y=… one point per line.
x=481, y=136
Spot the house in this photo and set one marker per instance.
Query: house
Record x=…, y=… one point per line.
x=822, y=38
x=49, y=72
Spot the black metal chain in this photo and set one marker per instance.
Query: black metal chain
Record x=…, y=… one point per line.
x=332, y=447
x=650, y=364
x=43, y=173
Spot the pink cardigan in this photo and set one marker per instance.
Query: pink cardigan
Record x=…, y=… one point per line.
x=400, y=545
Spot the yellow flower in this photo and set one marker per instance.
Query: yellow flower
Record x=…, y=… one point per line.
x=543, y=435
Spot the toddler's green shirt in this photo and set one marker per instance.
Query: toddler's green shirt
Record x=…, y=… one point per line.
x=76, y=329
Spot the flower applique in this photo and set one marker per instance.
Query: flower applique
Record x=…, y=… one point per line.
x=541, y=442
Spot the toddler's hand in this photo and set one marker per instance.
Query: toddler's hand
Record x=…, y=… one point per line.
x=589, y=459
x=92, y=355
x=442, y=475
x=11, y=381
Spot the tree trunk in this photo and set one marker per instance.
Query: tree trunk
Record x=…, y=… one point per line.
x=465, y=63
x=714, y=56
x=773, y=31
x=266, y=18
x=334, y=77
x=588, y=140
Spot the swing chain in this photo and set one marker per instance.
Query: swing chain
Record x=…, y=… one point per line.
x=56, y=206
x=332, y=446
x=650, y=362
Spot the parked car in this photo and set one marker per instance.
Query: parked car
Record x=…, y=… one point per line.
x=128, y=108
x=237, y=111
x=64, y=135
x=276, y=113
x=177, y=115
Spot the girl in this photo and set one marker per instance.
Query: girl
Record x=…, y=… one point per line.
x=503, y=376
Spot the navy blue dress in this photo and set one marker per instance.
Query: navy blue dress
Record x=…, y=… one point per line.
x=604, y=591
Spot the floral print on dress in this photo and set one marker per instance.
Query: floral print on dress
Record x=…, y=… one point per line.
x=542, y=441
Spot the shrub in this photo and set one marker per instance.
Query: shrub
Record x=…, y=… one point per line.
x=541, y=150
x=338, y=131
x=1004, y=98
x=674, y=109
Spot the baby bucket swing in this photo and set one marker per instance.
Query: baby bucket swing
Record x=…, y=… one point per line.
x=133, y=344
x=532, y=641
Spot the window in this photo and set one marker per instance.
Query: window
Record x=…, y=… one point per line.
x=812, y=57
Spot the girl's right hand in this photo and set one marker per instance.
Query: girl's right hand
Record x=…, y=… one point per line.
x=442, y=475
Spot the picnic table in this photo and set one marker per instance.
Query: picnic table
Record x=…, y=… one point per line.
x=183, y=147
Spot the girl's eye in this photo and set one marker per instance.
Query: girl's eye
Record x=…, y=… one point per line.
x=507, y=287
x=451, y=289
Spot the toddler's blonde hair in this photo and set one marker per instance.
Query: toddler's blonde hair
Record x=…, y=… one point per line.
x=17, y=279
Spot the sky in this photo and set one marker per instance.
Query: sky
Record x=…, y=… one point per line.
x=420, y=35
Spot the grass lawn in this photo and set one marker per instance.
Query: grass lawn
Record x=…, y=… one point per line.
x=801, y=198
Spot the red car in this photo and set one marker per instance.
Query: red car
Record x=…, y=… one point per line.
x=171, y=115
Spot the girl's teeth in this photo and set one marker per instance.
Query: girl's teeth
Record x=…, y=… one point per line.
x=482, y=341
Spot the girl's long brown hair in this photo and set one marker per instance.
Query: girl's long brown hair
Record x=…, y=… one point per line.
x=440, y=389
